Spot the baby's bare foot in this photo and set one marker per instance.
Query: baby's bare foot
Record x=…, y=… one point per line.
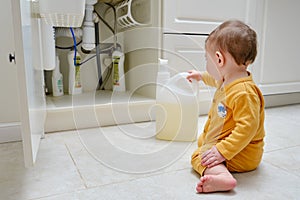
x=199, y=186
x=214, y=183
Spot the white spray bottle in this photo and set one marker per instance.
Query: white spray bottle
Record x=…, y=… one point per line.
x=57, y=80
x=74, y=74
x=118, y=78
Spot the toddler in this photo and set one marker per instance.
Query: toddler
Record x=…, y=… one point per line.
x=232, y=139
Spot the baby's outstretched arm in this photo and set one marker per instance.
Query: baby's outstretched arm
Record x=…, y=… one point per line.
x=193, y=74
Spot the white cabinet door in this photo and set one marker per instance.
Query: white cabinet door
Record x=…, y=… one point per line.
x=9, y=102
x=9, y=105
x=202, y=16
x=186, y=52
x=280, y=71
x=30, y=80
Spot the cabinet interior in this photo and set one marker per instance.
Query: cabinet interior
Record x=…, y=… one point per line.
x=140, y=68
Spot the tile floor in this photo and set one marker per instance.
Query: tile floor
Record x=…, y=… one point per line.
x=126, y=162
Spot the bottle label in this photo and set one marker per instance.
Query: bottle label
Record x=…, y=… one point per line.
x=77, y=73
x=116, y=77
x=77, y=77
x=60, y=85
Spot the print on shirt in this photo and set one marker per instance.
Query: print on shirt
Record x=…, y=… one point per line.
x=222, y=112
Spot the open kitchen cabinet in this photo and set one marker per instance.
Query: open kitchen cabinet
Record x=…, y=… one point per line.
x=140, y=42
x=30, y=78
x=175, y=30
x=40, y=112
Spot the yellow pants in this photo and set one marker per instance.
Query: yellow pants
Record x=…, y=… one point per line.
x=247, y=160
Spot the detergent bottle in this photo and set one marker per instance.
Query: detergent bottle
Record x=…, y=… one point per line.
x=118, y=71
x=177, y=109
x=75, y=86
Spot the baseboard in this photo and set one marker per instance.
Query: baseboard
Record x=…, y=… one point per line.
x=282, y=99
x=83, y=117
x=10, y=132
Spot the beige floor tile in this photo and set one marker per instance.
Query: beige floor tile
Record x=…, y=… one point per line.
x=268, y=182
x=282, y=125
x=287, y=159
x=264, y=183
x=99, y=164
x=53, y=173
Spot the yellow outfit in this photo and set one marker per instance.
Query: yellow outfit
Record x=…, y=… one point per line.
x=235, y=125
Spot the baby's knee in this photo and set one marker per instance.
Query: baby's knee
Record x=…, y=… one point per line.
x=196, y=163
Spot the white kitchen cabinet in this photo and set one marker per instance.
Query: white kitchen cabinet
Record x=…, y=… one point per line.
x=186, y=52
x=177, y=32
x=102, y=108
x=186, y=25
x=9, y=105
x=277, y=68
x=202, y=16
x=30, y=77
x=22, y=99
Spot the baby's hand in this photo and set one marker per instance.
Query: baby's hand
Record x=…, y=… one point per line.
x=212, y=157
x=193, y=74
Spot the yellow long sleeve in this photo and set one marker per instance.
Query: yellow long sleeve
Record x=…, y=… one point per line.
x=235, y=125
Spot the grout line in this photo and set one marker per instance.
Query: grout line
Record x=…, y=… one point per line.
x=280, y=149
x=81, y=177
x=280, y=168
x=51, y=195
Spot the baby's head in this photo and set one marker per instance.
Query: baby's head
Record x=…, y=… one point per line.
x=236, y=38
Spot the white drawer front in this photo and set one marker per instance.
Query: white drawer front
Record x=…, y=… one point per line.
x=184, y=52
x=202, y=16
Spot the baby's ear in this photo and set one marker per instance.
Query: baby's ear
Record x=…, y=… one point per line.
x=220, y=58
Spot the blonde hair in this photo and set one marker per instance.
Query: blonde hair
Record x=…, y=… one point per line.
x=236, y=38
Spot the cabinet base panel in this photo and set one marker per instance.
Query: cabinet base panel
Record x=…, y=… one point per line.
x=282, y=99
x=103, y=108
x=10, y=132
